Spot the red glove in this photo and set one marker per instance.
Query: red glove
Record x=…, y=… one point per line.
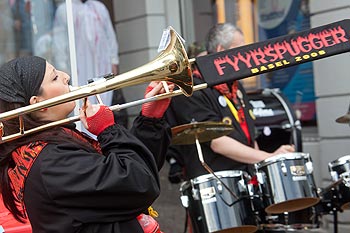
x=100, y=120
x=148, y=224
x=155, y=109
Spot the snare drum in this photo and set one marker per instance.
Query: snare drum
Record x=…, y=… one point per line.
x=287, y=183
x=213, y=208
x=340, y=169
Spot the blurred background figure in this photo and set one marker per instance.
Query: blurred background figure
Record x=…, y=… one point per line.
x=96, y=44
x=7, y=45
x=42, y=16
x=21, y=10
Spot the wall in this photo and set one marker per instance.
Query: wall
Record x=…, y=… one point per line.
x=332, y=90
x=139, y=25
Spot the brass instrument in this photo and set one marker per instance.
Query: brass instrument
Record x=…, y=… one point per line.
x=117, y=107
x=171, y=65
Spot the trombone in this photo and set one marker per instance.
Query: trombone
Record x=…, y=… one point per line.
x=171, y=65
x=117, y=107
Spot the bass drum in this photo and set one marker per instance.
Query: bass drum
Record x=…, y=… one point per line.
x=276, y=121
x=213, y=208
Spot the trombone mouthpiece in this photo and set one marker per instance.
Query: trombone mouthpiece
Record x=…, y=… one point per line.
x=71, y=88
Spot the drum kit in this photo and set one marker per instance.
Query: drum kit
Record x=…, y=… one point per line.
x=281, y=196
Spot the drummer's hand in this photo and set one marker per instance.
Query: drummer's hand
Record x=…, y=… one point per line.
x=157, y=108
x=96, y=118
x=284, y=149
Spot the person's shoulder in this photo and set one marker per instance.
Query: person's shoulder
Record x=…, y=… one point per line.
x=98, y=4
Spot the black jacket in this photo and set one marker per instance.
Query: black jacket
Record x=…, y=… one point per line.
x=70, y=189
x=204, y=105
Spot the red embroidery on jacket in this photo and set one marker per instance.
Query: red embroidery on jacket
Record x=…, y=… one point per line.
x=24, y=158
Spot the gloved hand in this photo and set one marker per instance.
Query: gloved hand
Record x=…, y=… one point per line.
x=157, y=108
x=96, y=118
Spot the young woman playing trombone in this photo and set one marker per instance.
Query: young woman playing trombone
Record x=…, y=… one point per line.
x=61, y=179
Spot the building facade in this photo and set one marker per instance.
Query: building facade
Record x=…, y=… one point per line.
x=139, y=25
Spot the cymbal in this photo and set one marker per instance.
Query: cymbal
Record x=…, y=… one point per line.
x=205, y=131
x=344, y=119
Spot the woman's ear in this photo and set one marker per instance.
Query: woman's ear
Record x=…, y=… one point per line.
x=35, y=99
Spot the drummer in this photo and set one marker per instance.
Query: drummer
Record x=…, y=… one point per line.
x=226, y=102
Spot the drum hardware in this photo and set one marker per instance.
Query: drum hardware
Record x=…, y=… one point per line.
x=345, y=119
x=184, y=198
x=340, y=171
x=283, y=168
x=309, y=167
x=336, y=196
x=199, y=132
x=223, y=218
x=346, y=178
x=330, y=202
x=205, y=131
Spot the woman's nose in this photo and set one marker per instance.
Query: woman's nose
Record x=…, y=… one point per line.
x=66, y=79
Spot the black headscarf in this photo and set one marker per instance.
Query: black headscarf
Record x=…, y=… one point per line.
x=20, y=79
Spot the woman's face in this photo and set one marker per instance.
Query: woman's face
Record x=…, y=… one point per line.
x=55, y=83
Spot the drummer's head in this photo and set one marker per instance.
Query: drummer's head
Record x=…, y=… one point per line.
x=224, y=36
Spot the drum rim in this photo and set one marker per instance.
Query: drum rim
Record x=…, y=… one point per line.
x=283, y=157
x=339, y=161
x=208, y=177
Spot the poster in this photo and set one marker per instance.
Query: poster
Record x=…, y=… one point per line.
x=282, y=17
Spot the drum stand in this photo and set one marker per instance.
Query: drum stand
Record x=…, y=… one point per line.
x=206, y=166
x=335, y=221
x=331, y=206
x=334, y=209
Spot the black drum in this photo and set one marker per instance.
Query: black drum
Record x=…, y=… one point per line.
x=340, y=170
x=213, y=208
x=276, y=121
x=287, y=183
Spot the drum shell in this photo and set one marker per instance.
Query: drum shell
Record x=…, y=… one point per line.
x=212, y=208
x=286, y=177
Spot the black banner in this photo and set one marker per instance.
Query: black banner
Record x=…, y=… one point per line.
x=274, y=54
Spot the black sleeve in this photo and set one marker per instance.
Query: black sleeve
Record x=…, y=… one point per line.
x=93, y=187
x=155, y=134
